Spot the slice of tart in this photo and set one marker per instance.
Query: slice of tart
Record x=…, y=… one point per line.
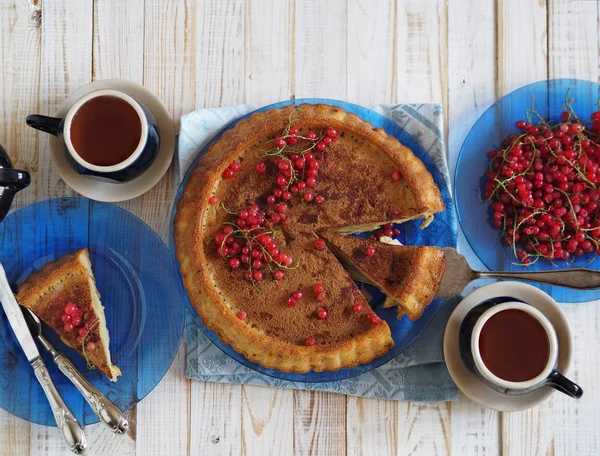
x=409, y=276
x=64, y=295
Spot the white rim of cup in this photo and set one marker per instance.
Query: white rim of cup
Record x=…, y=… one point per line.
x=552, y=341
x=71, y=115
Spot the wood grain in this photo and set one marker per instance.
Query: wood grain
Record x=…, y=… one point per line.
x=372, y=427
x=269, y=63
x=421, y=51
x=267, y=420
x=66, y=55
x=320, y=49
x=319, y=423
x=66, y=64
x=320, y=56
x=371, y=72
x=216, y=409
x=220, y=51
x=20, y=46
x=562, y=425
x=216, y=419
x=114, y=56
x=169, y=71
x=522, y=44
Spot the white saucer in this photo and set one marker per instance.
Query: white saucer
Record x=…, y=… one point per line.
x=470, y=384
x=108, y=191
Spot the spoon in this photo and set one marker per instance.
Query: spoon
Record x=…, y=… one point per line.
x=458, y=275
x=108, y=412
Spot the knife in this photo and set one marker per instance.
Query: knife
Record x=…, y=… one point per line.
x=102, y=406
x=458, y=275
x=71, y=431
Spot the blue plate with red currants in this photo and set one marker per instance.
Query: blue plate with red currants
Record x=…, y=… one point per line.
x=528, y=182
x=441, y=232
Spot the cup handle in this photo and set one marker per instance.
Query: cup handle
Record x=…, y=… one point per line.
x=44, y=123
x=561, y=383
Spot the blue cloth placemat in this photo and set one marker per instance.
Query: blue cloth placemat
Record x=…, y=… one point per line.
x=417, y=374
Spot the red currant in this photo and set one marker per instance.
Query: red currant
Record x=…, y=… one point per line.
x=261, y=168
x=322, y=314
x=320, y=244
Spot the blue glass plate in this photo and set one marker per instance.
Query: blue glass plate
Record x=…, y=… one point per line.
x=135, y=276
x=488, y=133
x=442, y=232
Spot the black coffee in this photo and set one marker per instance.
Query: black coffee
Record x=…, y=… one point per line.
x=106, y=131
x=514, y=345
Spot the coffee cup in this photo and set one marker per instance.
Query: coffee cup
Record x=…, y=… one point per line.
x=107, y=134
x=512, y=347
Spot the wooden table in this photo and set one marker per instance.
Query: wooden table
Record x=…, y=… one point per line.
x=192, y=54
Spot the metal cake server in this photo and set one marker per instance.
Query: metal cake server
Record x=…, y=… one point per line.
x=66, y=422
x=104, y=409
x=458, y=275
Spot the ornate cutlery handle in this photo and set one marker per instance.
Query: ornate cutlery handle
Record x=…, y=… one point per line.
x=578, y=278
x=70, y=429
x=108, y=412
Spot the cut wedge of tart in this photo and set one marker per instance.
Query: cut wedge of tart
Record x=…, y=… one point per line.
x=409, y=276
x=63, y=294
x=245, y=233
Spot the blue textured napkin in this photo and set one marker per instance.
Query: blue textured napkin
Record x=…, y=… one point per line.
x=417, y=374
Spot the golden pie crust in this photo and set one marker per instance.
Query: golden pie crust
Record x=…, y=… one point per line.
x=351, y=206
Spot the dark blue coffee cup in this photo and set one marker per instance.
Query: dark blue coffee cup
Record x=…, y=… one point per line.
x=133, y=166
x=470, y=331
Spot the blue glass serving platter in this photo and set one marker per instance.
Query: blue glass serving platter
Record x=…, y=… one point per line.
x=442, y=232
x=548, y=99
x=136, y=278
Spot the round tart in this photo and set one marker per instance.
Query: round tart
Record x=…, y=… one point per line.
x=245, y=233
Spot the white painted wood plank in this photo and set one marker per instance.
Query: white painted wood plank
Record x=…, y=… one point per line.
x=371, y=72
x=66, y=64
x=472, y=77
x=268, y=414
x=116, y=56
x=118, y=47
x=372, y=427
x=169, y=71
x=320, y=49
x=522, y=49
x=320, y=71
x=216, y=409
x=267, y=421
x=66, y=55
x=562, y=425
x=20, y=47
x=319, y=423
x=216, y=418
x=421, y=54
x=220, y=51
x=424, y=428
x=573, y=39
x=269, y=54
